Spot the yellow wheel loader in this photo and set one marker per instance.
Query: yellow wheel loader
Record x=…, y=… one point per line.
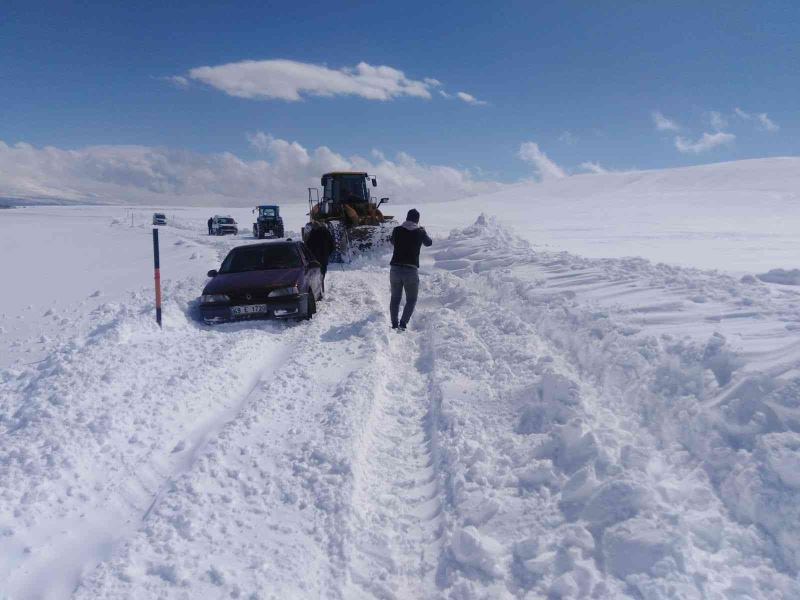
x=349, y=212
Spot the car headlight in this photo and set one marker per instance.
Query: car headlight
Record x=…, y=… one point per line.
x=213, y=298
x=285, y=291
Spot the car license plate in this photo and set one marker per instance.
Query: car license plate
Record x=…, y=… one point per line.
x=249, y=309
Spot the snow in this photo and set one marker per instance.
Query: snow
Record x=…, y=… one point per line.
x=739, y=217
x=552, y=424
x=786, y=277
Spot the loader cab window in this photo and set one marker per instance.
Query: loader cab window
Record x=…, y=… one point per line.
x=328, y=191
x=348, y=188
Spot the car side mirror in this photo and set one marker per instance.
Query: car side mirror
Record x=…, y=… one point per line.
x=374, y=182
x=212, y=273
x=383, y=201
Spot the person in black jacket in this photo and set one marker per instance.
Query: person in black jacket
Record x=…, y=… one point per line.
x=210, y=221
x=320, y=242
x=407, y=240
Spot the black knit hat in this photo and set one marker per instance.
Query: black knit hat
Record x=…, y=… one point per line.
x=413, y=215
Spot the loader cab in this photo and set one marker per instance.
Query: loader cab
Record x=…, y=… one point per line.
x=347, y=188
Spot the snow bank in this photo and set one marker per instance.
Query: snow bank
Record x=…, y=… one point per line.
x=580, y=410
x=781, y=276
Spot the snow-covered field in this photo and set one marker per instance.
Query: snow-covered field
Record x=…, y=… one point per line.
x=739, y=217
x=552, y=425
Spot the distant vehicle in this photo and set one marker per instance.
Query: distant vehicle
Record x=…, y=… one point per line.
x=159, y=219
x=268, y=222
x=270, y=280
x=223, y=225
x=350, y=213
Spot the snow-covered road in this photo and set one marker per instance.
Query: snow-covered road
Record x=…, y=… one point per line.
x=550, y=426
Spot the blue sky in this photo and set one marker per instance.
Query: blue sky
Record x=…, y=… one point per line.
x=580, y=79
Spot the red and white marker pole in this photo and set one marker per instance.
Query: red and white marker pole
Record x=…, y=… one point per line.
x=157, y=275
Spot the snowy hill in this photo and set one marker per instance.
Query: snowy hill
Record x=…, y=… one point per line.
x=740, y=216
x=552, y=424
x=779, y=175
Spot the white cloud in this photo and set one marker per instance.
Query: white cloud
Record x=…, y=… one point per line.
x=164, y=176
x=291, y=80
x=470, y=99
x=663, y=123
x=717, y=120
x=567, y=137
x=177, y=80
x=593, y=167
x=445, y=94
x=766, y=123
x=762, y=120
x=545, y=168
x=260, y=140
x=707, y=142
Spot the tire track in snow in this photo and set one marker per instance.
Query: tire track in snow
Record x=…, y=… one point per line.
x=77, y=538
x=397, y=539
x=272, y=487
x=190, y=448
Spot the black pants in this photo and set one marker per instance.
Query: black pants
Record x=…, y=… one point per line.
x=323, y=269
x=403, y=279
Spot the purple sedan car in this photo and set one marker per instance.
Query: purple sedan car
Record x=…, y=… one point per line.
x=271, y=280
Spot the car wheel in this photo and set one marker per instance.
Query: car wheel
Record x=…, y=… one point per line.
x=312, y=306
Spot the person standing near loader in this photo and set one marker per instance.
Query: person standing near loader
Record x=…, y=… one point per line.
x=210, y=221
x=320, y=242
x=407, y=240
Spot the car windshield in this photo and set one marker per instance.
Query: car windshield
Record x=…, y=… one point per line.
x=225, y=221
x=266, y=212
x=158, y=216
x=261, y=257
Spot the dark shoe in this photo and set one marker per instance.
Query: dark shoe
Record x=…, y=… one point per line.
x=401, y=326
x=394, y=325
